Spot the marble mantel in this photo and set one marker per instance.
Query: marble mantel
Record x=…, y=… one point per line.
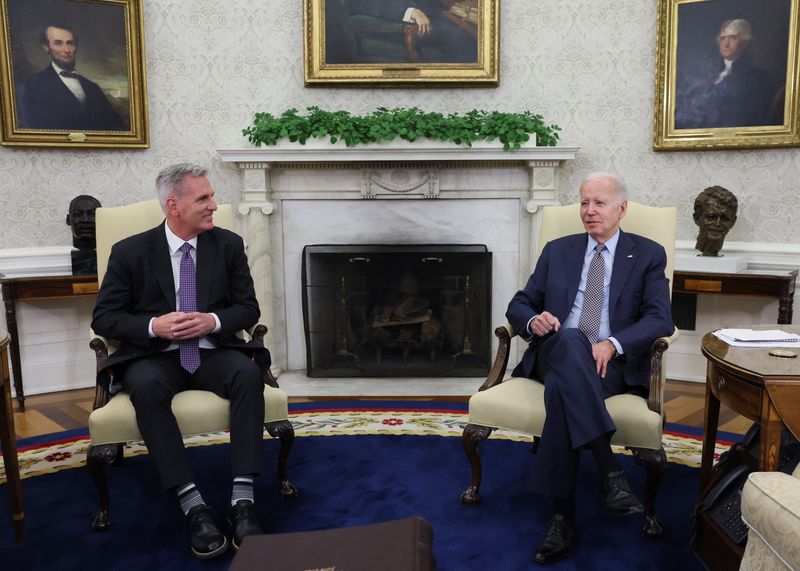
x=293, y=195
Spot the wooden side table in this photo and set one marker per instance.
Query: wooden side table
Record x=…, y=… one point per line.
x=34, y=289
x=766, y=390
x=778, y=285
x=8, y=442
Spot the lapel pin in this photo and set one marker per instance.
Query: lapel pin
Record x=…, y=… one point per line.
x=630, y=256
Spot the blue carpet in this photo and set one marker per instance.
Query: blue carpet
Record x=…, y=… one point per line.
x=345, y=481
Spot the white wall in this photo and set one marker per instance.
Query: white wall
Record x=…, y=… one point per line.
x=586, y=65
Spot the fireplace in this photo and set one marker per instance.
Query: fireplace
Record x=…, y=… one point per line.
x=397, y=310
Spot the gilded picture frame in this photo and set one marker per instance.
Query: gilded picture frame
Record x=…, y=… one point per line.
x=72, y=74
x=727, y=75
x=400, y=42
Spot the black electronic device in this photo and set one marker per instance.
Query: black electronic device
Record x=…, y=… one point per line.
x=722, y=503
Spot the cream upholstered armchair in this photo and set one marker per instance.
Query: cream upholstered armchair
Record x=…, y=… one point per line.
x=771, y=509
x=113, y=421
x=517, y=404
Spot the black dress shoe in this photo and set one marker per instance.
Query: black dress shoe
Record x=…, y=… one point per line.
x=619, y=499
x=207, y=540
x=557, y=542
x=243, y=521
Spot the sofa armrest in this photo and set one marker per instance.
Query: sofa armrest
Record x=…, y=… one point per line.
x=771, y=508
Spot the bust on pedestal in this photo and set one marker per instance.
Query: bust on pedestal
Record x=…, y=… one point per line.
x=81, y=218
x=715, y=214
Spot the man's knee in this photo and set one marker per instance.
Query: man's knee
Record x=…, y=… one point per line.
x=248, y=375
x=571, y=340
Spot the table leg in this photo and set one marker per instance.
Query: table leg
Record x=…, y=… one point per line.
x=8, y=443
x=710, y=423
x=771, y=431
x=16, y=362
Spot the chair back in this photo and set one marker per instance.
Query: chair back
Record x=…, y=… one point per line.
x=660, y=224
x=114, y=224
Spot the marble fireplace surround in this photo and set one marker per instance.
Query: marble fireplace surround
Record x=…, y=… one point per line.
x=423, y=193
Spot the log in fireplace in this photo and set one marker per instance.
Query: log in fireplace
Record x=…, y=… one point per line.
x=397, y=310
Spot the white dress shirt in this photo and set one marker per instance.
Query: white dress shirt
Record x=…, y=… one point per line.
x=72, y=83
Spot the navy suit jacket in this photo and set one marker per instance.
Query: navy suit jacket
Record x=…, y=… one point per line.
x=139, y=285
x=49, y=104
x=639, y=304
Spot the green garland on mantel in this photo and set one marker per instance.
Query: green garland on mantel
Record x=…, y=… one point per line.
x=511, y=129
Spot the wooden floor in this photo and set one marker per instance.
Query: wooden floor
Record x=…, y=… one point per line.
x=55, y=412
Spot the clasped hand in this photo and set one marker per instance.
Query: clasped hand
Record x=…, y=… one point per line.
x=179, y=326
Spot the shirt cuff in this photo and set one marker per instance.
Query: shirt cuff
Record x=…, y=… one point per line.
x=616, y=344
x=150, y=328
x=528, y=337
x=407, y=15
x=217, y=321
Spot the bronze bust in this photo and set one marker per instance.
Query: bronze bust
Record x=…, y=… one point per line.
x=715, y=214
x=80, y=218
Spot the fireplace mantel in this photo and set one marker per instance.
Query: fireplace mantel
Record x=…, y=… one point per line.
x=275, y=181
x=317, y=151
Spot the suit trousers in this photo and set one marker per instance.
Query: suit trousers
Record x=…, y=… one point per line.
x=574, y=399
x=152, y=381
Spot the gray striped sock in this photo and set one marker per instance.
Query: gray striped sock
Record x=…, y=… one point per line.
x=242, y=489
x=189, y=497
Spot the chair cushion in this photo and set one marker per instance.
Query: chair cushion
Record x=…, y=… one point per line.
x=198, y=412
x=517, y=404
x=771, y=508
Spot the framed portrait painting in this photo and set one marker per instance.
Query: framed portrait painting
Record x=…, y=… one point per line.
x=727, y=74
x=72, y=73
x=401, y=42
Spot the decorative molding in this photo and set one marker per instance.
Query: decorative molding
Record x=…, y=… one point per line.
x=323, y=152
x=423, y=183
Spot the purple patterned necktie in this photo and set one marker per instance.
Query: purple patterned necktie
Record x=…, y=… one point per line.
x=592, y=308
x=190, y=348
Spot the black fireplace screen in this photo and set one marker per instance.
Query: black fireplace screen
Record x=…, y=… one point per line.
x=399, y=310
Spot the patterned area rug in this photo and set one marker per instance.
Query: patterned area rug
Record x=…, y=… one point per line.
x=61, y=452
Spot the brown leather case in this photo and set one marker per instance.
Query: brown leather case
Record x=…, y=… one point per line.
x=400, y=545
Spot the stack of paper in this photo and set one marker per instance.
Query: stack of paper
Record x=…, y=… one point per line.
x=758, y=338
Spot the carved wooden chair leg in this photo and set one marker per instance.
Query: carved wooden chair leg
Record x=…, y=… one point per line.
x=96, y=459
x=284, y=431
x=654, y=462
x=473, y=435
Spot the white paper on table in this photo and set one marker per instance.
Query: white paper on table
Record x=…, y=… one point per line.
x=760, y=338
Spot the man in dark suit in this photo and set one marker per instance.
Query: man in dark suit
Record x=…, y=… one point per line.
x=411, y=30
x=58, y=97
x=175, y=296
x=591, y=310
x=730, y=91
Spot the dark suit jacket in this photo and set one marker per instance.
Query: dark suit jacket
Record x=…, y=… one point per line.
x=47, y=103
x=639, y=303
x=744, y=98
x=139, y=285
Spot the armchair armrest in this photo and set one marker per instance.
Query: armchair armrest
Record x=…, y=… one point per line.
x=504, y=334
x=655, y=401
x=102, y=347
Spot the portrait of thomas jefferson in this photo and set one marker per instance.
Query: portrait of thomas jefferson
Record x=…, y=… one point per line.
x=398, y=31
x=731, y=71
